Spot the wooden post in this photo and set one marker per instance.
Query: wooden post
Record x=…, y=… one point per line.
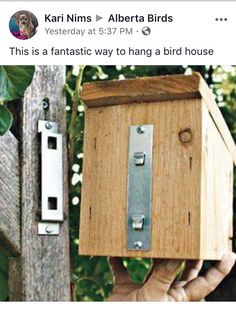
x=9, y=194
x=42, y=272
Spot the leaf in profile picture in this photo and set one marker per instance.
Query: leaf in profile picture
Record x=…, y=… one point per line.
x=5, y=119
x=14, y=80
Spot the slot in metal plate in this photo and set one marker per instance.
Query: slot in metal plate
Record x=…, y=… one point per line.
x=140, y=187
x=51, y=172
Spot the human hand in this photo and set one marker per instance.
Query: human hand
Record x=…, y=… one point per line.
x=160, y=284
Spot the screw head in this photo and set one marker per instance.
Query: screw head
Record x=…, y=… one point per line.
x=49, y=229
x=138, y=245
x=48, y=125
x=45, y=105
x=140, y=130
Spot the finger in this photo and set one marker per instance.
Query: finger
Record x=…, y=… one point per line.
x=119, y=271
x=150, y=271
x=161, y=278
x=191, y=271
x=204, y=285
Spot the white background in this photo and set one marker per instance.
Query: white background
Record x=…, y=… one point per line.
x=194, y=26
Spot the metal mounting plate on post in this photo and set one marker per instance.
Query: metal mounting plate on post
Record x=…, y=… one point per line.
x=140, y=187
x=51, y=177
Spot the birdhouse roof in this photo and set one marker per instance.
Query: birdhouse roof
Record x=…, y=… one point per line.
x=156, y=89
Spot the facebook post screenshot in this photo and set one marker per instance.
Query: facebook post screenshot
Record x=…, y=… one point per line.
x=117, y=153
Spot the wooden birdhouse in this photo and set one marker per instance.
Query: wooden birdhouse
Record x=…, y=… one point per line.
x=157, y=170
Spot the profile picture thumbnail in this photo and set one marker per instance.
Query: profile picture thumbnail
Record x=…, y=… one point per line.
x=23, y=25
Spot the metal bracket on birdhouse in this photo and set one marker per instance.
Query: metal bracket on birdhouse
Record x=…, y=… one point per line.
x=51, y=159
x=140, y=187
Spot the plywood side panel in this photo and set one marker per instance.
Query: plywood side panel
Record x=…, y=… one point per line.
x=176, y=179
x=217, y=192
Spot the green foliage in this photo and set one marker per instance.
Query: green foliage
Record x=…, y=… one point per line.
x=3, y=277
x=138, y=268
x=5, y=119
x=93, y=282
x=13, y=82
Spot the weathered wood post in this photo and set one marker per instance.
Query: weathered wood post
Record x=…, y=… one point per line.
x=9, y=194
x=42, y=272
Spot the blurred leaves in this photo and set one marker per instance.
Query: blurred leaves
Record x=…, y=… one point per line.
x=3, y=276
x=138, y=268
x=14, y=80
x=5, y=119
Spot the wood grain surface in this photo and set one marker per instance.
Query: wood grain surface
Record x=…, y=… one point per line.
x=42, y=273
x=9, y=194
x=176, y=179
x=193, y=156
x=162, y=88
x=216, y=192
x=142, y=89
